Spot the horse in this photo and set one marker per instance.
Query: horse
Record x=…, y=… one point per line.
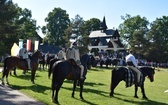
x=14, y=61
x=42, y=61
x=92, y=62
x=45, y=63
x=66, y=69
x=118, y=74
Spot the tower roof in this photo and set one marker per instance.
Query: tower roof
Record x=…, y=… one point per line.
x=103, y=25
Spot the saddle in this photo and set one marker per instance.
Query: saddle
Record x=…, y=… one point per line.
x=25, y=62
x=72, y=61
x=75, y=72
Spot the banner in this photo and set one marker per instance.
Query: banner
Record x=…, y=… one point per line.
x=28, y=45
x=36, y=45
x=15, y=50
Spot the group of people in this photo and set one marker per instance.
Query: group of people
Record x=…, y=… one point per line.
x=71, y=53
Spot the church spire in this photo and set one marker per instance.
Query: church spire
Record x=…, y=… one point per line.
x=103, y=25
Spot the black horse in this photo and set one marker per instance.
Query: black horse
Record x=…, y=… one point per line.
x=67, y=69
x=118, y=74
x=92, y=62
x=44, y=63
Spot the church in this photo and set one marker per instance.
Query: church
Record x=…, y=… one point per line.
x=105, y=39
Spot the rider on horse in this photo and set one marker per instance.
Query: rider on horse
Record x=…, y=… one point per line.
x=23, y=54
x=73, y=53
x=132, y=64
x=61, y=54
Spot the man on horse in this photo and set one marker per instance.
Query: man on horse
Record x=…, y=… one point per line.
x=73, y=53
x=23, y=54
x=132, y=64
x=61, y=54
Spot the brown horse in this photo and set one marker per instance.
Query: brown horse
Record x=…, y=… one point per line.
x=14, y=61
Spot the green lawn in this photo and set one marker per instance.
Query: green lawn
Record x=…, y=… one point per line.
x=96, y=89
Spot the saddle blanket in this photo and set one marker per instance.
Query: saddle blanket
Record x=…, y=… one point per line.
x=130, y=78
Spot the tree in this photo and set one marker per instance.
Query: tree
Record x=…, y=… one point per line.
x=15, y=23
x=26, y=25
x=134, y=30
x=8, y=12
x=90, y=25
x=57, y=22
x=77, y=23
x=158, y=36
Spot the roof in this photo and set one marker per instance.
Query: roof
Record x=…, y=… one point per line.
x=110, y=33
x=51, y=48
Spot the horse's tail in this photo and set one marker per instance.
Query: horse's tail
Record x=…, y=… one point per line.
x=55, y=77
x=112, y=77
x=50, y=70
x=5, y=63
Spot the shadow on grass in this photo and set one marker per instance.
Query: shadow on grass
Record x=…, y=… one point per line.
x=86, y=83
x=36, y=88
x=145, y=102
x=85, y=101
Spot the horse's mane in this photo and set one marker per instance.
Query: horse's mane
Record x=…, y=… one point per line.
x=36, y=53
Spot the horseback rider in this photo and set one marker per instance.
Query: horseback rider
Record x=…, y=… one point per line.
x=62, y=54
x=73, y=53
x=23, y=54
x=132, y=64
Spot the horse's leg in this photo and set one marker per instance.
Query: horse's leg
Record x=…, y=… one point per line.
x=74, y=87
x=7, y=82
x=43, y=65
x=14, y=69
x=143, y=92
x=33, y=71
x=3, y=75
x=136, y=89
x=81, y=89
x=55, y=98
x=113, y=86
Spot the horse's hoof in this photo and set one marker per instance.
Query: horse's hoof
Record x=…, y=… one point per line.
x=56, y=102
x=72, y=96
x=8, y=83
x=111, y=95
x=33, y=82
x=81, y=98
x=3, y=83
x=146, y=98
x=136, y=97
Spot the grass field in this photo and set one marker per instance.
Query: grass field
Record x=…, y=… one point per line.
x=96, y=89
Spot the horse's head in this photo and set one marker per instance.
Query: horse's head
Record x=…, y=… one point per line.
x=149, y=71
x=91, y=62
x=37, y=55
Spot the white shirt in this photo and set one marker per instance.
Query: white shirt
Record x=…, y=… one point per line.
x=61, y=54
x=23, y=52
x=130, y=58
x=73, y=53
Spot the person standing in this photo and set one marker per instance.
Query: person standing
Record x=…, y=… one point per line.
x=62, y=54
x=23, y=54
x=46, y=57
x=132, y=64
x=73, y=53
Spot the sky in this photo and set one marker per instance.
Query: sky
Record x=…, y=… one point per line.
x=87, y=9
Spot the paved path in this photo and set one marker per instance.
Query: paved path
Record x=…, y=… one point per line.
x=9, y=96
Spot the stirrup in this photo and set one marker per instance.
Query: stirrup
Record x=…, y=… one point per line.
x=82, y=78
